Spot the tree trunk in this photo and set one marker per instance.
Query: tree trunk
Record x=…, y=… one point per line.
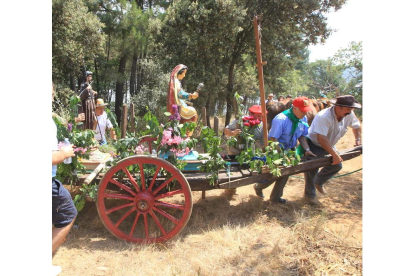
x=230, y=93
x=140, y=74
x=208, y=111
x=132, y=79
x=119, y=95
x=72, y=83
x=106, y=67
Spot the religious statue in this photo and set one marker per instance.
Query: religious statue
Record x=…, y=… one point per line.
x=177, y=96
x=87, y=96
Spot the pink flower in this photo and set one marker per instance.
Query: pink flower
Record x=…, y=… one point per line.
x=140, y=150
x=83, y=150
x=177, y=140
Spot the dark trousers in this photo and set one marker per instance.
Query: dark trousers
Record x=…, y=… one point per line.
x=277, y=191
x=318, y=177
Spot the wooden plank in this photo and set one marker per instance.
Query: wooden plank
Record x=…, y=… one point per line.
x=301, y=167
x=132, y=117
x=124, y=120
x=260, y=64
x=94, y=174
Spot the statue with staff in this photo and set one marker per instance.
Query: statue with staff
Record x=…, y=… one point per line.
x=87, y=96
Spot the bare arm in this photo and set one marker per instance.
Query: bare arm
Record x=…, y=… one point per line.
x=59, y=155
x=113, y=134
x=357, y=134
x=323, y=140
x=230, y=132
x=305, y=146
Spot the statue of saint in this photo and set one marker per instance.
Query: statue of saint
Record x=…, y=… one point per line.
x=177, y=96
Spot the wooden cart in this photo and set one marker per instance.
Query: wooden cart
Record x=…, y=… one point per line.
x=145, y=199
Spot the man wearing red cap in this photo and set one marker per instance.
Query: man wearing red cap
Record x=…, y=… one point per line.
x=327, y=128
x=234, y=129
x=287, y=128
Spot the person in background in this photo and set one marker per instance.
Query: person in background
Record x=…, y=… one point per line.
x=328, y=126
x=288, y=97
x=281, y=98
x=63, y=210
x=102, y=123
x=269, y=99
x=234, y=129
x=287, y=128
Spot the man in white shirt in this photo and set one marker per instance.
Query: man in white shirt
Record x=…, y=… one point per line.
x=102, y=123
x=325, y=131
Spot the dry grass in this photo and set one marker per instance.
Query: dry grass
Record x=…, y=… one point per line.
x=243, y=236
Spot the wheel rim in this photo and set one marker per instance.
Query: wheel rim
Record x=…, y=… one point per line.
x=147, y=140
x=150, y=202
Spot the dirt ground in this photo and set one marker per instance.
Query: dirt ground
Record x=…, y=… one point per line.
x=242, y=236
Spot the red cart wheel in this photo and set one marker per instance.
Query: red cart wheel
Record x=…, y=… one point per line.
x=144, y=199
x=147, y=140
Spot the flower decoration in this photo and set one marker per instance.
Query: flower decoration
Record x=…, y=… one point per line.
x=176, y=115
x=250, y=121
x=140, y=150
x=70, y=127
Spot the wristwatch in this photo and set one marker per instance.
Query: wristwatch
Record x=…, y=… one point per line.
x=307, y=149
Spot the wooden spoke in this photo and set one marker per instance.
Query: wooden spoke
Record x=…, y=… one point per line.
x=124, y=217
x=168, y=216
x=157, y=171
x=163, y=185
x=141, y=168
x=119, y=207
x=122, y=186
x=169, y=205
x=119, y=196
x=134, y=183
x=176, y=192
x=134, y=225
x=157, y=222
x=146, y=226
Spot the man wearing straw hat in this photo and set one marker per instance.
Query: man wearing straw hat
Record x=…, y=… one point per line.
x=325, y=131
x=102, y=122
x=269, y=99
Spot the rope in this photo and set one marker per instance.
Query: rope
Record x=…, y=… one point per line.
x=333, y=176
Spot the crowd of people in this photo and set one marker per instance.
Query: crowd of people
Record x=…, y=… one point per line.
x=290, y=128
x=281, y=98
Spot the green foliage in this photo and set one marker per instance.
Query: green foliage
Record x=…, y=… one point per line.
x=90, y=190
x=80, y=139
x=212, y=164
x=246, y=137
x=77, y=34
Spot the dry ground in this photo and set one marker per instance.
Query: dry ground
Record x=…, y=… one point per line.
x=243, y=236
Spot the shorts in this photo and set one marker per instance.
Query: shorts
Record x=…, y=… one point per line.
x=63, y=209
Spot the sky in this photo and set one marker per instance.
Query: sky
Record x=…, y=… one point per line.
x=348, y=25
